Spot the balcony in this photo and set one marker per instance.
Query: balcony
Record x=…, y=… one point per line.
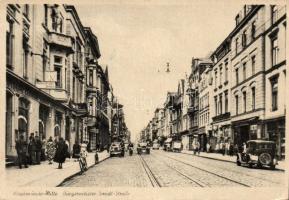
x=57, y=93
x=61, y=40
x=222, y=117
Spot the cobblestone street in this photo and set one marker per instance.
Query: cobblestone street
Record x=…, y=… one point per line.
x=166, y=169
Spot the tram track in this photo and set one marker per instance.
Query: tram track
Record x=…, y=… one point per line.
x=209, y=172
x=154, y=181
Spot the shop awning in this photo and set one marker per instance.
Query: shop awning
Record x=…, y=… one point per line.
x=168, y=140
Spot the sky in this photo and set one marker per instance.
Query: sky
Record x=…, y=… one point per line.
x=137, y=40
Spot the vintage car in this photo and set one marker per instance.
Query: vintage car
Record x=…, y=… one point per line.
x=116, y=148
x=260, y=153
x=168, y=144
x=143, y=147
x=176, y=146
x=156, y=145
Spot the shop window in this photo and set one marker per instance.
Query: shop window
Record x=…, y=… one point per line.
x=57, y=122
x=23, y=119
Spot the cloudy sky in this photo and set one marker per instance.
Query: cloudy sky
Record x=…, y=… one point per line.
x=137, y=40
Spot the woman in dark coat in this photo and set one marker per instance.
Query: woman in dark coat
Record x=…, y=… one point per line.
x=61, y=151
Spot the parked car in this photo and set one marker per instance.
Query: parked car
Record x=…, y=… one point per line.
x=156, y=145
x=260, y=153
x=143, y=147
x=177, y=146
x=116, y=148
x=168, y=144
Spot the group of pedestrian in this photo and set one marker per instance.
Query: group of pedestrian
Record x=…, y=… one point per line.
x=34, y=151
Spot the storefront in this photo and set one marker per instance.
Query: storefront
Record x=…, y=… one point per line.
x=275, y=131
x=249, y=129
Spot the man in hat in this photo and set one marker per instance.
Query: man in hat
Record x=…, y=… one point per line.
x=21, y=148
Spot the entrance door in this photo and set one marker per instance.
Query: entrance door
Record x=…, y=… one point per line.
x=244, y=133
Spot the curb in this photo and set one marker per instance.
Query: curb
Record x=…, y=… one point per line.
x=223, y=160
x=78, y=173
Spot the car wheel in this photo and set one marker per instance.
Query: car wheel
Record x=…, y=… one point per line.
x=265, y=158
x=238, y=163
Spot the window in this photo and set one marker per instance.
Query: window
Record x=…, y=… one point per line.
x=9, y=44
x=216, y=105
x=237, y=75
x=90, y=77
x=25, y=51
x=45, y=15
x=58, y=70
x=244, y=71
x=26, y=10
x=253, y=60
x=73, y=89
x=237, y=104
x=226, y=102
x=44, y=59
x=220, y=104
x=274, y=51
x=226, y=71
x=216, y=76
x=237, y=45
x=221, y=75
x=274, y=89
x=253, y=98
x=57, y=122
x=253, y=30
x=244, y=38
x=274, y=13
x=245, y=101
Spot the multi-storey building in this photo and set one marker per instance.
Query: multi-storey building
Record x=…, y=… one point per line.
x=275, y=76
x=185, y=117
x=221, y=93
x=205, y=94
x=248, y=77
x=55, y=86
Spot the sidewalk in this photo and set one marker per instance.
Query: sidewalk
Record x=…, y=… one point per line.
x=45, y=175
x=216, y=156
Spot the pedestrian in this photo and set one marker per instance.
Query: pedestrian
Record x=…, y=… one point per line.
x=38, y=147
x=231, y=149
x=208, y=147
x=198, y=147
x=50, y=150
x=244, y=147
x=22, y=150
x=43, y=150
x=76, y=150
x=61, y=151
x=68, y=151
x=32, y=149
x=223, y=148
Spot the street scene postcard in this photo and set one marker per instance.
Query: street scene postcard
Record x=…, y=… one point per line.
x=144, y=99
